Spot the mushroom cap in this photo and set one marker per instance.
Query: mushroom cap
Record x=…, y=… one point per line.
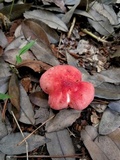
x=65, y=87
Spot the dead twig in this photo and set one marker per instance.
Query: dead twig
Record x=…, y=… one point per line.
x=71, y=28
x=21, y=134
x=34, y=131
x=94, y=36
x=47, y=156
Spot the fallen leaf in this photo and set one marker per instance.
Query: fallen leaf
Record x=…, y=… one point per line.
x=110, y=121
x=4, y=69
x=10, y=147
x=107, y=145
x=115, y=106
x=104, y=16
x=47, y=17
x=39, y=98
x=59, y=3
x=16, y=43
x=4, y=84
x=35, y=65
x=34, y=31
x=60, y=144
x=14, y=93
x=41, y=115
x=66, y=18
x=3, y=128
x=51, y=33
x=10, y=56
x=115, y=136
x=3, y=39
x=26, y=112
x=108, y=91
x=62, y=120
x=87, y=136
x=43, y=53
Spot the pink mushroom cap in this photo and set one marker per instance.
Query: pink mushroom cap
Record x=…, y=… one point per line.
x=66, y=89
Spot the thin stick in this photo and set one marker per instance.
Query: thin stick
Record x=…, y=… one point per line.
x=94, y=36
x=47, y=156
x=71, y=28
x=21, y=134
x=35, y=131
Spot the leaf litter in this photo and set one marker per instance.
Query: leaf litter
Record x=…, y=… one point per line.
x=96, y=126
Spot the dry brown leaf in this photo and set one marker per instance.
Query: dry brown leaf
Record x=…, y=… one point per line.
x=14, y=93
x=87, y=136
x=34, y=31
x=37, y=66
x=115, y=136
x=108, y=147
x=99, y=147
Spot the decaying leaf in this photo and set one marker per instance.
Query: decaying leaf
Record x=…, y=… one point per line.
x=108, y=147
x=39, y=99
x=4, y=69
x=108, y=91
x=8, y=144
x=87, y=136
x=16, y=43
x=99, y=147
x=14, y=93
x=115, y=136
x=60, y=144
x=59, y=3
x=110, y=122
x=4, y=84
x=35, y=65
x=44, y=53
x=41, y=115
x=66, y=18
x=34, y=31
x=47, y=17
x=63, y=119
x=3, y=39
x=51, y=33
x=115, y=106
x=26, y=112
x=3, y=128
x=10, y=56
x=104, y=16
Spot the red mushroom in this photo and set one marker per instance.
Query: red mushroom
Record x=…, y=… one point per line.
x=65, y=87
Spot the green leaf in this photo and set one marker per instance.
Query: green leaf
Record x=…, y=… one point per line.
x=18, y=59
x=24, y=50
x=26, y=47
x=4, y=96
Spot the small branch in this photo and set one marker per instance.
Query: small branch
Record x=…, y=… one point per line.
x=21, y=134
x=94, y=36
x=47, y=156
x=71, y=28
x=34, y=131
